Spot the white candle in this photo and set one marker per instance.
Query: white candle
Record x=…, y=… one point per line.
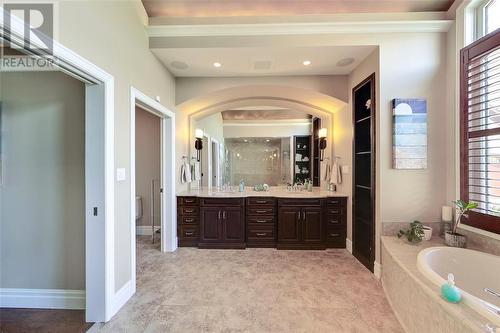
x=446, y=213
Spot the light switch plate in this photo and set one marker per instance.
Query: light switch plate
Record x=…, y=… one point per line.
x=121, y=174
x=345, y=169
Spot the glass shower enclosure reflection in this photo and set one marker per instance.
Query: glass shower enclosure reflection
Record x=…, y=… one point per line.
x=258, y=161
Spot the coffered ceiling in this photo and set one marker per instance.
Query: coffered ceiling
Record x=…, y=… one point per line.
x=228, y=8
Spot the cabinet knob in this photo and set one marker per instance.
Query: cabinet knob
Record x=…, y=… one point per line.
x=335, y=235
x=190, y=233
x=261, y=233
x=189, y=220
x=261, y=221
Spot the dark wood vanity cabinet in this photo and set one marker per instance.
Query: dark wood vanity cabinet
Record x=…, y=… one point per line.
x=222, y=223
x=300, y=224
x=261, y=222
x=291, y=223
x=188, y=222
x=336, y=222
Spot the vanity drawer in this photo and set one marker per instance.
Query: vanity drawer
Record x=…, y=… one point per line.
x=299, y=202
x=335, y=236
x=221, y=202
x=264, y=220
x=192, y=220
x=334, y=211
x=336, y=202
x=261, y=211
x=189, y=211
x=261, y=201
x=334, y=220
x=260, y=233
x=187, y=201
x=188, y=232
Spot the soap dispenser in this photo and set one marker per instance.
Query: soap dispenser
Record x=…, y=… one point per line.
x=449, y=291
x=242, y=186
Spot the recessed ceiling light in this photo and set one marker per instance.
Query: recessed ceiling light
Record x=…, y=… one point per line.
x=306, y=62
x=217, y=64
x=245, y=140
x=267, y=140
x=345, y=62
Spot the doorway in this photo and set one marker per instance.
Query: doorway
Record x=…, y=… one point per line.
x=148, y=188
x=363, y=207
x=162, y=190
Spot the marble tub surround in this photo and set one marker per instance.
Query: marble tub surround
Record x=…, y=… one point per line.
x=392, y=228
x=402, y=282
x=274, y=191
x=256, y=290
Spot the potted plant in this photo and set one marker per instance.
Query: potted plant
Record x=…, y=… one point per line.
x=414, y=234
x=453, y=238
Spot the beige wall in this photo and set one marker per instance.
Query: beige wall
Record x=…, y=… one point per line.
x=409, y=66
x=343, y=131
x=42, y=198
x=147, y=162
x=111, y=34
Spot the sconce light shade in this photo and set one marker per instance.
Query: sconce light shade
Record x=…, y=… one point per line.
x=322, y=143
x=198, y=133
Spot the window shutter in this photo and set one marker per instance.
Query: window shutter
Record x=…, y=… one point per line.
x=480, y=130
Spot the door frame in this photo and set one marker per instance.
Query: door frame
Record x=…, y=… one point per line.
x=371, y=261
x=167, y=177
x=99, y=165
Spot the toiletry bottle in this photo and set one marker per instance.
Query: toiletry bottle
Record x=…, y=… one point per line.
x=242, y=185
x=449, y=291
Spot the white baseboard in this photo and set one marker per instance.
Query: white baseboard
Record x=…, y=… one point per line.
x=145, y=230
x=122, y=296
x=377, y=270
x=348, y=245
x=42, y=298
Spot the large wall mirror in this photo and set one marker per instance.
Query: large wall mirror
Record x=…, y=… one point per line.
x=259, y=145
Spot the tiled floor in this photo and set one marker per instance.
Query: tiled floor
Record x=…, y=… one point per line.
x=42, y=321
x=253, y=290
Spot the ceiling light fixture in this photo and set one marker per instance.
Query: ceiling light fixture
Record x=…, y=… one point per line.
x=217, y=64
x=306, y=62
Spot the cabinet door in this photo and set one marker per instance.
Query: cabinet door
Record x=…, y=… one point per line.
x=312, y=227
x=234, y=224
x=210, y=224
x=288, y=225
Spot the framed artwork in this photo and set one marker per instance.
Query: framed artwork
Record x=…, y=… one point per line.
x=409, y=133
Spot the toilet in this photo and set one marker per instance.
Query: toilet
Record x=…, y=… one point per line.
x=138, y=208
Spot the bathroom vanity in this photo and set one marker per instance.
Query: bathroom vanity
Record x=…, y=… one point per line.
x=278, y=218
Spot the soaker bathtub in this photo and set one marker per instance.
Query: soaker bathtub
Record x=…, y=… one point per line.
x=477, y=275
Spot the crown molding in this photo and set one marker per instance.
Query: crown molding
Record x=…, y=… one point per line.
x=309, y=28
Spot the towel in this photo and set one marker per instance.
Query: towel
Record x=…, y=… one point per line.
x=185, y=173
x=336, y=174
x=327, y=175
x=196, y=171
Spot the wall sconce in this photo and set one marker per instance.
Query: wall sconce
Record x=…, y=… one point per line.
x=322, y=143
x=198, y=144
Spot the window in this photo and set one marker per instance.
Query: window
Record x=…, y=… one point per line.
x=487, y=17
x=480, y=130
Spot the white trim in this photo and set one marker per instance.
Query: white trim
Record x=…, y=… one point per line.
x=348, y=245
x=145, y=230
x=169, y=206
x=308, y=28
x=42, y=298
x=243, y=124
x=99, y=236
x=377, y=270
x=123, y=295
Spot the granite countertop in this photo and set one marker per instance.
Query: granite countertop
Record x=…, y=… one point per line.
x=274, y=191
